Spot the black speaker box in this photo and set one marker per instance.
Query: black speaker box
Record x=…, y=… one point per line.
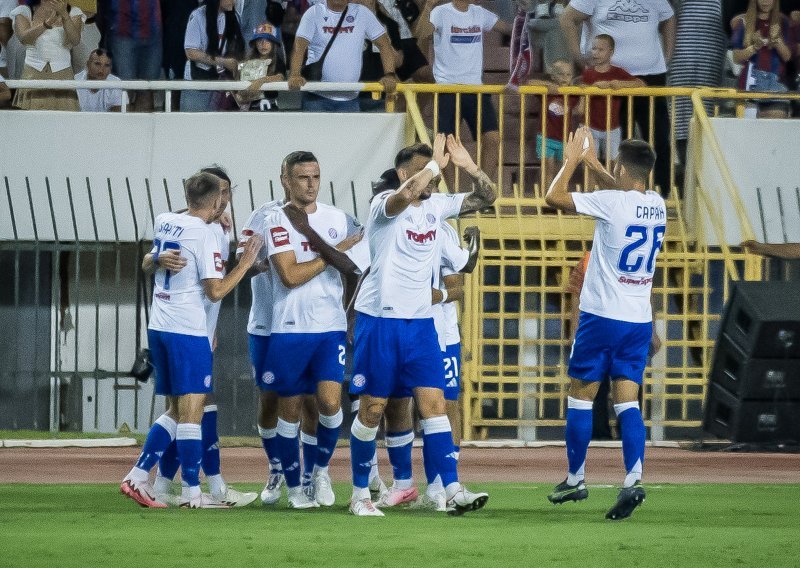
x=754, y=379
x=763, y=319
x=752, y=421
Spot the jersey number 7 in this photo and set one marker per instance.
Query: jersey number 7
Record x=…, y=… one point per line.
x=630, y=260
x=161, y=247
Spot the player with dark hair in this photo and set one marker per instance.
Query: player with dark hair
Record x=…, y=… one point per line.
x=616, y=323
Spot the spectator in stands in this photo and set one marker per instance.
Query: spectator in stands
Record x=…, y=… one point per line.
x=343, y=61
x=5, y=93
x=548, y=43
x=134, y=38
x=5, y=32
x=214, y=45
x=761, y=42
x=604, y=121
x=457, y=28
x=98, y=68
x=265, y=63
x=49, y=30
x=90, y=35
x=252, y=13
x=558, y=122
x=697, y=61
x=644, y=32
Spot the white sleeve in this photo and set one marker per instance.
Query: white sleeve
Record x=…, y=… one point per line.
x=665, y=11
x=354, y=226
x=377, y=210
x=374, y=28
x=209, y=257
x=449, y=203
x=454, y=258
x=276, y=234
x=436, y=18
x=195, y=37
x=306, y=27
x=598, y=204
x=584, y=6
x=359, y=254
x=19, y=11
x=489, y=19
x=253, y=225
x=75, y=11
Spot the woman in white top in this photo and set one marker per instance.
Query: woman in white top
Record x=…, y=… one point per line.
x=214, y=45
x=48, y=29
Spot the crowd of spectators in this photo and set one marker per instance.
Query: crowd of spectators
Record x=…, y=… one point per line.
x=645, y=42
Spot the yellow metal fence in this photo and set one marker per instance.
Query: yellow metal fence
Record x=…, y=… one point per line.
x=515, y=324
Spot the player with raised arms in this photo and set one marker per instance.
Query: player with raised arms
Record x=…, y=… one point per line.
x=396, y=346
x=616, y=321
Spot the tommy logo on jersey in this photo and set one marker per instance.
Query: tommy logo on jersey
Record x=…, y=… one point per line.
x=280, y=236
x=308, y=247
x=219, y=264
x=421, y=238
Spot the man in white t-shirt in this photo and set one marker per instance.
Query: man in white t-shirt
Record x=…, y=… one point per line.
x=615, y=326
x=458, y=28
x=306, y=352
x=343, y=61
x=178, y=336
x=644, y=37
x=98, y=68
x=396, y=348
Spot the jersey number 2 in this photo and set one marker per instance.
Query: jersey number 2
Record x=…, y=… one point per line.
x=630, y=260
x=161, y=247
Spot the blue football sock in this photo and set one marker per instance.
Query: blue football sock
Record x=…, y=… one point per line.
x=211, y=459
x=161, y=434
x=427, y=463
x=457, y=451
x=170, y=462
x=289, y=448
x=310, y=446
x=633, y=438
x=439, y=438
x=399, y=445
x=578, y=435
x=190, y=451
x=327, y=436
x=362, y=449
x=269, y=441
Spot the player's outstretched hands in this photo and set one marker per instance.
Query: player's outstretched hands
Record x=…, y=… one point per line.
x=460, y=155
x=577, y=145
x=298, y=217
x=441, y=157
x=350, y=242
x=171, y=260
x=251, y=249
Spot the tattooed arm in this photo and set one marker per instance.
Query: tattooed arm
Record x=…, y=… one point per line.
x=483, y=192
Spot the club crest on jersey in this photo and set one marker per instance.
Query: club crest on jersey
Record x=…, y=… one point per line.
x=268, y=377
x=421, y=238
x=280, y=236
x=359, y=380
x=219, y=265
x=207, y=381
x=430, y=218
x=332, y=233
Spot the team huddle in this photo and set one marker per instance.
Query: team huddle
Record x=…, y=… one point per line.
x=318, y=277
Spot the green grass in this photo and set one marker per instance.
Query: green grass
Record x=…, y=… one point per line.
x=678, y=526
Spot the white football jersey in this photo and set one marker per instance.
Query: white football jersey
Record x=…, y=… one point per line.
x=178, y=299
x=405, y=256
x=260, y=320
x=212, y=308
x=316, y=306
x=627, y=239
x=452, y=259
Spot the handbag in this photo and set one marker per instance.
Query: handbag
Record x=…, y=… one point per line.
x=313, y=71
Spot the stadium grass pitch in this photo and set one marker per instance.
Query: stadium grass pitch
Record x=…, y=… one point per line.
x=678, y=526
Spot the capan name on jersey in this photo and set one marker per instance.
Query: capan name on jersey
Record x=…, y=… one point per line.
x=643, y=212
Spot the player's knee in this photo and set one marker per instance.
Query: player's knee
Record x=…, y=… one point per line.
x=432, y=406
x=328, y=406
x=370, y=414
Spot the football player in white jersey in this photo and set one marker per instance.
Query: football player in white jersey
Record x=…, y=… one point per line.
x=306, y=353
x=178, y=336
x=616, y=323
x=396, y=346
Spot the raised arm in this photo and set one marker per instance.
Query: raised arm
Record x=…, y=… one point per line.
x=484, y=191
x=558, y=195
x=424, y=28
x=416, y=185
x=571, y=21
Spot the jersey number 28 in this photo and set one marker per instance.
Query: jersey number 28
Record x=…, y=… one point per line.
x=631, y=257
